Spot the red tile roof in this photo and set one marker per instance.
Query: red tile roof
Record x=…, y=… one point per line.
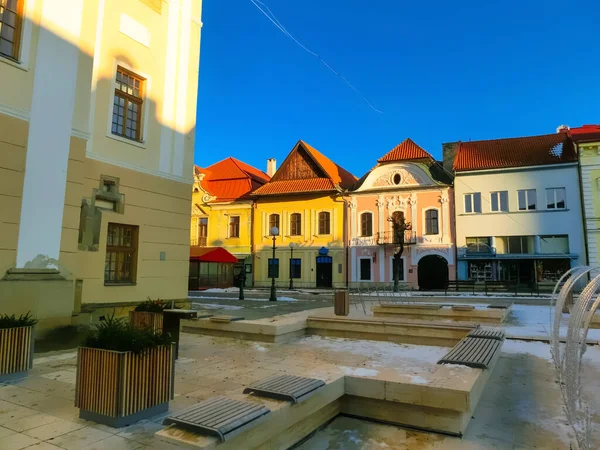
x=231, y=179
x=406, y=150
x=296, y=186
x=585, y=133
x=515, y=152
x=334, y=176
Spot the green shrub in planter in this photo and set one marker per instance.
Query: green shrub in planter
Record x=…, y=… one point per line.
x=16, y=345
x=124, y=373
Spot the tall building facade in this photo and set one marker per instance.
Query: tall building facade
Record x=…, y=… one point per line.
x=518, y=209
x=406, y=184
x=304, y=202
x=97, y=123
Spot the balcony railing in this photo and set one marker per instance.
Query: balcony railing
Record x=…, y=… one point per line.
x=198, y=242
x=391, y=238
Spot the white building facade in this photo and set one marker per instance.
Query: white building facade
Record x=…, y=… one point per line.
x=518, y=210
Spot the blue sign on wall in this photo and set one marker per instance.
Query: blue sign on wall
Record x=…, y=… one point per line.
x=323, y=251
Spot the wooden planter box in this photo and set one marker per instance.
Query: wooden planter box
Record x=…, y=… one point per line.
x=120, y=388
x=16, y=352
x=144, y=319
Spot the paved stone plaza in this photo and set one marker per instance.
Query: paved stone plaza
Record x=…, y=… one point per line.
x=520, y=407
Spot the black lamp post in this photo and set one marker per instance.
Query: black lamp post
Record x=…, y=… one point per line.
x=274, y=232
x=291, y=259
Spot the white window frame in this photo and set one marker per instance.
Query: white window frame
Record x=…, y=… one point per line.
x=500, y=210
x=553, y=190
x=370, y=258
x=527, y=191
x=145, y=104
x=404, y=271
x=424, y=217
x=472, y=195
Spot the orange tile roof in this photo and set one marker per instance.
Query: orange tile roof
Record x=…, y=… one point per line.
x=296, y=186
x=334, y=176
x=231, y=179
x=406, y=150
x=515, y=152
x=337, y=174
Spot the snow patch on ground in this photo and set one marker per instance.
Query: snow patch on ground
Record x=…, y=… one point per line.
x=216, y=306
x=352, y=437
x=537, y=321
x=418, y=380
x=537, y=349
x=379, y=350
x=359, y=371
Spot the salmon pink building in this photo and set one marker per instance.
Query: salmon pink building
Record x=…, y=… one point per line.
x=407, y=183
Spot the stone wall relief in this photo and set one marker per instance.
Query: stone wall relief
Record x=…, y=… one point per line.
x=398, y=177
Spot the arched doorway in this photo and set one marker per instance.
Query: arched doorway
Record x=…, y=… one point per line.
x=432, y=272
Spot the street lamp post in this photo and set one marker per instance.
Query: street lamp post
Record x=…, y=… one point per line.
x=274, y=232
x=291, y=259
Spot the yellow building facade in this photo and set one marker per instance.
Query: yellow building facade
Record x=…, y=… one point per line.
x=222, y=216
x=97, y=123
x=305, y=201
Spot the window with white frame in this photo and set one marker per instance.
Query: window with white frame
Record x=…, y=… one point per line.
x=366, y=224
x=431, y=222
x=473, y=203
x=527, y=199
x=556, y=198
x=499, y=201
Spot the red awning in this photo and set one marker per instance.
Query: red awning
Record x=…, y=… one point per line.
x=213, y=254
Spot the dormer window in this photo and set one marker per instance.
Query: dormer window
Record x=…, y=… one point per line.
x=397, y=179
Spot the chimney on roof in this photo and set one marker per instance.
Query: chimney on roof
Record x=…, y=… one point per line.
x=271, y=166
x=563, y=129
x=449, y=150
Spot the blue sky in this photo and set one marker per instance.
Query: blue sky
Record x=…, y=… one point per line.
x=439, y=71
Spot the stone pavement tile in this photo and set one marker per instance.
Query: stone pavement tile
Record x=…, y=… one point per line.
x=66, y=376
x=222, y=387
x=141, y=432
x=10, y=411
x=54, y=429
x=114, y=443
x=5, y=432
x=202, y=382
x=78, y=439
x=16, y=441
x=22, y=396
x=182, y=387
x=43, y=446
x=29, y=422
x=59, y=407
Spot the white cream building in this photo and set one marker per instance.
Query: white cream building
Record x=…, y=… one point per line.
x=97, y=123
x=518, y=209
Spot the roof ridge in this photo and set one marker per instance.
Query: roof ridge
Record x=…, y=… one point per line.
x=515, y=137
